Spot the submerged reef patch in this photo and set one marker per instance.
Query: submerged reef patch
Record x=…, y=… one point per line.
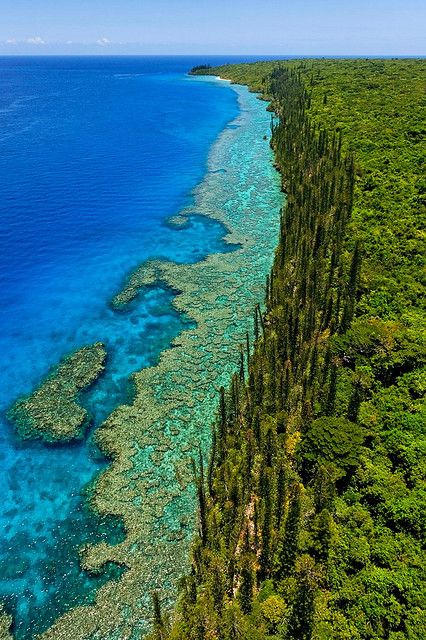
x=178, y=222
x=52, y=412
x=146, y=275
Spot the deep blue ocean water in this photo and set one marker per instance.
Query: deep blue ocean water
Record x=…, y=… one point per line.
x=95, y=155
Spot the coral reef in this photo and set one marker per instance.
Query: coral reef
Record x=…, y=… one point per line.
x=52, y=412
x=152, y=440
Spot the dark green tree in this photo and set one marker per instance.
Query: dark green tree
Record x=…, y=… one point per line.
x=289, y=537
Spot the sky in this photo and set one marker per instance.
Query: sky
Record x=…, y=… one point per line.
x=239, y=27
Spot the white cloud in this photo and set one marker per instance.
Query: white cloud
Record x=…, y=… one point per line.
x=103, y=42
x=35, y=40
x=11, y=41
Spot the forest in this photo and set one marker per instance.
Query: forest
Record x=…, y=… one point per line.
x=312, y=505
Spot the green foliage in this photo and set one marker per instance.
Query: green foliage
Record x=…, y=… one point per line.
x=288, y=538
x=330, y=439
x=313, y=525
x=273, y=610
x=199, y=68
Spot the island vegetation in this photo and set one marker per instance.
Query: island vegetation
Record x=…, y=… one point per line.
x=312, y=505
x=200, y=68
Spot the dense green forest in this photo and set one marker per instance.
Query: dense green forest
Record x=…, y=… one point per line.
x=312, y=506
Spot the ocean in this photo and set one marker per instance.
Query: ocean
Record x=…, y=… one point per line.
x=95, y=155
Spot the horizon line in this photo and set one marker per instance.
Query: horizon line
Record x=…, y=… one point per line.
x=229, y=55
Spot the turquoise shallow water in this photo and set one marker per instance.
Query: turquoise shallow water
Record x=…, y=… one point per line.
x=98, y=154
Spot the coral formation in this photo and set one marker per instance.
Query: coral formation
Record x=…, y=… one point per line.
x=52, y=412
x=151, y=441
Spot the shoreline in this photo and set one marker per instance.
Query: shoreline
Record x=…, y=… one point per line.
x=210, y=242
x=159, y=394
x=304, y=455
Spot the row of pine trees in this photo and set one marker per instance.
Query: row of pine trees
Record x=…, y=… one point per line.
x=265, y=497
